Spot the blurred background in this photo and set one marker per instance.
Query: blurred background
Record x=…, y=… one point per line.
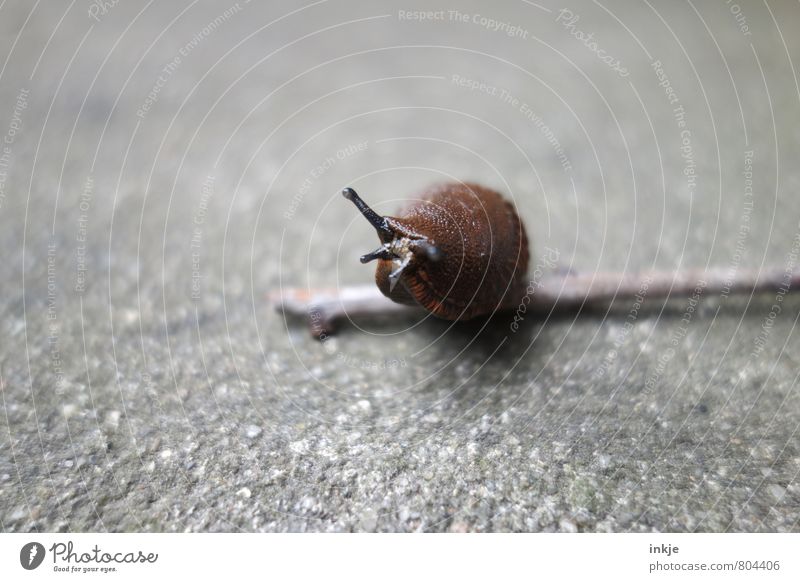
x=166, y=166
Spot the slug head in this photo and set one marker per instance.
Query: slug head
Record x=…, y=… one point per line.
x=403, y=250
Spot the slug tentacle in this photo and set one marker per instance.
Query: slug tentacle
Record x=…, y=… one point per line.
x=375, y=219
x=380, y=253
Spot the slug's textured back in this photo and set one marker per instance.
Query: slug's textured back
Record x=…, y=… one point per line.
x=484, y=247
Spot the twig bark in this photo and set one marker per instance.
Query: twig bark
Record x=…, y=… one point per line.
x=324, y=309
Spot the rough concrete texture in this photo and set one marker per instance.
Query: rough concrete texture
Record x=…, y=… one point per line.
x=166, y=166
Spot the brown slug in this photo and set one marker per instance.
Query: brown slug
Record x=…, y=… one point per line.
x=459, y=250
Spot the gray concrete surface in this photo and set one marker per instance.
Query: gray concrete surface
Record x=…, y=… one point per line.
x=169, y=165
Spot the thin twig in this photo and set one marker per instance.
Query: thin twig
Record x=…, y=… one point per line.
x=324, y=309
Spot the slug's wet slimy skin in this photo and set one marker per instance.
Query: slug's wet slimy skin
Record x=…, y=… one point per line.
x=459, y=250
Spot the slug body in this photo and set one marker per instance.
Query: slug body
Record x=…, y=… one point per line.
x=458, y=250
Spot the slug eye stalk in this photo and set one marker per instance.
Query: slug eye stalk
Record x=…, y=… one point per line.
x=377, y=221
